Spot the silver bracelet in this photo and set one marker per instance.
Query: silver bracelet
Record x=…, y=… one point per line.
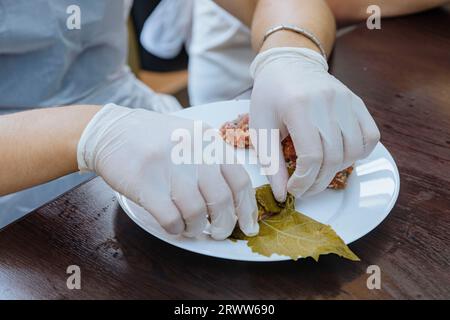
x=298, y=30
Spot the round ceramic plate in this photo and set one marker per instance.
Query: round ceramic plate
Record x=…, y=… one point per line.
x=368, y=198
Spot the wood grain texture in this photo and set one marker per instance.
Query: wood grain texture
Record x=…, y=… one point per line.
x=403, y=74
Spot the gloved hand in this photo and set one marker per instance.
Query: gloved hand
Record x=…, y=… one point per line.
x=330, y=126
x=131, y=150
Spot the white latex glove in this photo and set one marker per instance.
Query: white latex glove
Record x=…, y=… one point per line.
x=131, y=150
x=330, y=126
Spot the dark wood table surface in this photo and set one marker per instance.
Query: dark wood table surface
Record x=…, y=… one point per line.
x=403, y=74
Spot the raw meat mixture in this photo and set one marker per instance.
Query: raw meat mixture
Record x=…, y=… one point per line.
x=236, y=133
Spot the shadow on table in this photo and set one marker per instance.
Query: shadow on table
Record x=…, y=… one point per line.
x=206, y=277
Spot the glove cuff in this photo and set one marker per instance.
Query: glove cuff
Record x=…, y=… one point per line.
x=273, y=54
x=93, y=133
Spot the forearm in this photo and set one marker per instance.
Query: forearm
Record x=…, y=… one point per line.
x=40, y=145
x=352, y=11
x=313, y=15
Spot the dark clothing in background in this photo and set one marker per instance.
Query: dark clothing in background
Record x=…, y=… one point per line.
x=139, y=13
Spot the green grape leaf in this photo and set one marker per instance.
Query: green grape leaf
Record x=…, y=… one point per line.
x=266, y=201
x=291, y=233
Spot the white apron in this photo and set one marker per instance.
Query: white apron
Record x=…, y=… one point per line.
x=219, y=46
x=220, y=55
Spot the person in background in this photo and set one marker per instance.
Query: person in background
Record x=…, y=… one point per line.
x=292, y=89
x=43, y=64
x=83, y=96
x=220, y=42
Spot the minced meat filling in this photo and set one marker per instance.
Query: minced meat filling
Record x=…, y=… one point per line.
x=237, y=134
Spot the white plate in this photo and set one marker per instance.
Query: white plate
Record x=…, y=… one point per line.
x=369, y=197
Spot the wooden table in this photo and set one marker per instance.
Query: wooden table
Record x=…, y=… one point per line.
x=403, y=74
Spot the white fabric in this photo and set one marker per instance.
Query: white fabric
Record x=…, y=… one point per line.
x=168, y=28
x=219, y=55
x=131, y=149
x=219, y=46
x=330, y=126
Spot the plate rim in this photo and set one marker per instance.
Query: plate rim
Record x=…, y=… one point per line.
x=257, y=257
x=260, y=258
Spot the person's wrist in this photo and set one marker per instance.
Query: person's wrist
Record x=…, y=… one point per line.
x=286, y=38
x=93, y=132
x=80, y=116
x=308, y=57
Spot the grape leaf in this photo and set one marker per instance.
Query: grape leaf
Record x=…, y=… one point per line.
x=287, y=232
